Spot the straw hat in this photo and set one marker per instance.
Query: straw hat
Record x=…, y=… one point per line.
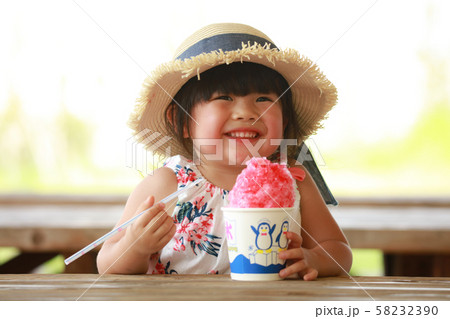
x=224, y=43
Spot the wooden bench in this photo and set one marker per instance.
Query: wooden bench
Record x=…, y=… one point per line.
x=414, y=235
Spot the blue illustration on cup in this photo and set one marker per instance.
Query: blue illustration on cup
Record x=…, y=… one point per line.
x=262, y=257
x=281, y=238
x=263, y=240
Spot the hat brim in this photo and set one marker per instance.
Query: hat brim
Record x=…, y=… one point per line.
x=313, y=94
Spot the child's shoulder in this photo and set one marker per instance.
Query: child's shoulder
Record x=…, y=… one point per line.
x=178, y=160
x=161, y=175
x=160, y=183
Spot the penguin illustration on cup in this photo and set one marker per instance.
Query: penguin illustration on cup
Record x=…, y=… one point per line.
x=281, y=238
x=263, y=239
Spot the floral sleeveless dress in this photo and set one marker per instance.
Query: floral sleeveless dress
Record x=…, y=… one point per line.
x=199, y=244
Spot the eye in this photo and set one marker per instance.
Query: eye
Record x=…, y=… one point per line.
x=222, y=97
x=264, y=99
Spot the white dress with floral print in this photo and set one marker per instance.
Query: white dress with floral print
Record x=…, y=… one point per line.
x=199, y=245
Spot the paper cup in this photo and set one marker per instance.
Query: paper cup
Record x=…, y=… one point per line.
x=255, y=237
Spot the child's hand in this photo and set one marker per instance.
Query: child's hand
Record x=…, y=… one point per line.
x=297, y=259
x=152, y=231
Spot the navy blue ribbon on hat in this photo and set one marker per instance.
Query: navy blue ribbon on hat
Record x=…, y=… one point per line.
x=225, y=42
x=310, y=164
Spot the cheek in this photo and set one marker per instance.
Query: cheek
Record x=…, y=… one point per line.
x=206, y=122
x=275, y=124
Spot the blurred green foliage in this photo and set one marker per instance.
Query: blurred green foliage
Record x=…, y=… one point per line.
x=36, y=153
x=415, y=164
x=367, y=262
x=50, y=154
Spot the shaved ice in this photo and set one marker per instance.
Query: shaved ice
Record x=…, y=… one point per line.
x=263, y=184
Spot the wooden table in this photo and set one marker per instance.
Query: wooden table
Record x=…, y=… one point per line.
x=40, y=225
x=217, y=287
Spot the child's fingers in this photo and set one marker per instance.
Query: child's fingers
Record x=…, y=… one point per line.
x=145, y=204
x=166, y=234
x=160, y=224
x=296, y=267
x=295, y=240
x=153, y=210
x=310, y=274
x=161, y=230
x=148, y=202
x=294, y=253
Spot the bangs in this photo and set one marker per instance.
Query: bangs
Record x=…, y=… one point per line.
x=239, y=79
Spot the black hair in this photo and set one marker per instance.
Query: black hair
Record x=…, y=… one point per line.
x=238, y=79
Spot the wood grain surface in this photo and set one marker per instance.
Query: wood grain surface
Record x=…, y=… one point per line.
x=217, y=287
x=48, y=228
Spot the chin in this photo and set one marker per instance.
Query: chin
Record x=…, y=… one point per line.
x=241, y=158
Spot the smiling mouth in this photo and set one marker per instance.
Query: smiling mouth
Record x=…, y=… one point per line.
x=243, y=134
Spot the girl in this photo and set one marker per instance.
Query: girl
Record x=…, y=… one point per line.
x=229, y=94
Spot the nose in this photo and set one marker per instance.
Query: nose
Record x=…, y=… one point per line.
x=244, y=109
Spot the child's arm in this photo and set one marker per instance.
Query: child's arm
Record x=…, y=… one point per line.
x=322, y=249
x=129, y=251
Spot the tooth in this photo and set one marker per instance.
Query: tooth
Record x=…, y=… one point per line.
x=243, y=134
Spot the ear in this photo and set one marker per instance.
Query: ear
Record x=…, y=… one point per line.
x=185, y=131
x=285, y=122
x=171, y=118
x=170, y=114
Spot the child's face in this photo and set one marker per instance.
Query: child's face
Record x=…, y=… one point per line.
x=241, y=126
